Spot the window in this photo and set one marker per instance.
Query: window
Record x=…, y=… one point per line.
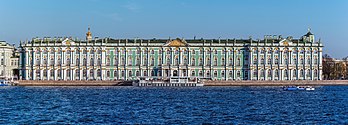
x=302, y=61
x=222, y=61
x=152, y=61
x=262, y=73
x=115, y=74
x=91, y=73
x=301, y=73
x=84, y=61
x=215, y=62
x=208, y=61
x=137, y=73
x=308, y=73
x=108, y=73
x=200, y=62
x=130, y=74
x=138, y=61
x=193, y=73
x=99, y=74
x=200, y=73
x=269, y=61
x=193, y=62
x=108, y=61
x=276, y=61
x=77, y=73
x=231, y=74
x=276, y=73
x=222, y=73
x=231, y=61
x=92, y=62
x=215, y=74
x=262, y=61
x=129, y=60
x=294, y=73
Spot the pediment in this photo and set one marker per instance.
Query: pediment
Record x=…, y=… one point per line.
x=176, y=43
x=68, y=42
x=285, y=42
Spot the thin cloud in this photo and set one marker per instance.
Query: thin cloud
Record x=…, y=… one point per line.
x=132, y=7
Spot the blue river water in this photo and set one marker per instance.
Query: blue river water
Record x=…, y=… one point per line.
x=200, y=105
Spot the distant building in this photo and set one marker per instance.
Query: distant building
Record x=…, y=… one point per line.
x=273, y=58
x=8, y=61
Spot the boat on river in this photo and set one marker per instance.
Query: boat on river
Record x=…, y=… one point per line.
x=170, y=82
x=295, y=88
x=4, y=82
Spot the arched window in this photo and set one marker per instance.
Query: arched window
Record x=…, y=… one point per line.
x=130, y=74
x=200, y=61
x=145, y=73
x=116, y=61
x=108, y=61
x=85, y=73
x=231, y=74
x=208, y=61
x=123, y=61
x=308, y=73
x=215, y=74
x=92, y=61
x=262, y=73
x=176, y=61
x=269, y=73
x=185, y=61
x=269, y=61
x=276, y=73
x=222, y=61
x=193, y=73
x=152, y=61
x=238, y=61
x=286, y=74
x=91, y=73
x=231, y=61
x=129, y=60
x=208, y=73
x=138, y=61
x=200, y=73
x=77, y=73
x=276, y=61
x=99, y=74
x=238, y=73
x=77, y=61
x=262, y=61
x=315, y=73
x=294, y=73
x=223, y=74
x=84, y=61
x=215, y=61
x=115, y=74
x=137, y=73
x=301, y=73
x=193, y=61
x=108, y=73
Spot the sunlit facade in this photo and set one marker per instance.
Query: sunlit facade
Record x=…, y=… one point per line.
x=273, y=58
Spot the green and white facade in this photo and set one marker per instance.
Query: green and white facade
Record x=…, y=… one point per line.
x=273, y=58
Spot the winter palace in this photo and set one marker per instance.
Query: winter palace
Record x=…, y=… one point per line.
x=272, y=58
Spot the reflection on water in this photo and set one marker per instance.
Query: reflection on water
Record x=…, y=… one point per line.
x=135, y=105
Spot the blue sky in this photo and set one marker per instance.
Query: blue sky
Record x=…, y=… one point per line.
x=328, y=19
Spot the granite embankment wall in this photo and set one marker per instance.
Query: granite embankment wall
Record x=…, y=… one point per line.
x=72, y=83
x=276, y=83
x=206, y=83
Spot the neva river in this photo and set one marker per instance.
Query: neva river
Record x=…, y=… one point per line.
x=134, y=105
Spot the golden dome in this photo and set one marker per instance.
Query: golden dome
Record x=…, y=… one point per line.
x=89, y=32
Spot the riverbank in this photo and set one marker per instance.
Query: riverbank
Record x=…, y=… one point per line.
x=277, y=83
x=71, y=83
x=206, y=83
